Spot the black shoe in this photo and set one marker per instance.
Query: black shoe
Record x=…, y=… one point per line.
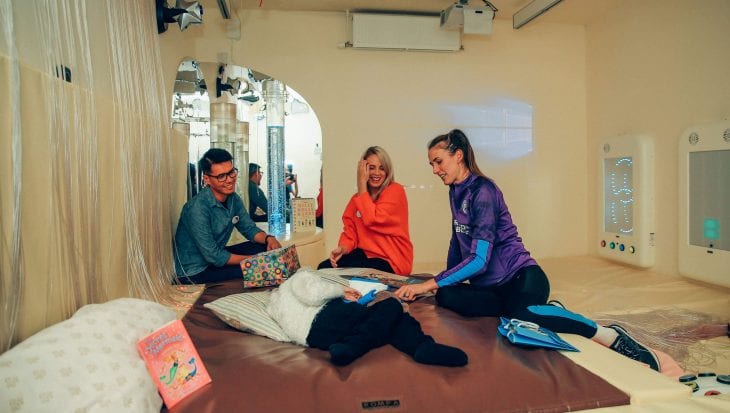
x=440, y=355
x=556, y=303
x=344, y=354
x=629, y=347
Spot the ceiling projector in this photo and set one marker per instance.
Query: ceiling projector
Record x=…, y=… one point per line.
x=472, y=19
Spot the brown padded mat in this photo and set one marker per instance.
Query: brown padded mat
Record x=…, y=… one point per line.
x=255, y=374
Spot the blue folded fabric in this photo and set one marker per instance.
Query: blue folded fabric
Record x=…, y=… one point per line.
x=525, y=333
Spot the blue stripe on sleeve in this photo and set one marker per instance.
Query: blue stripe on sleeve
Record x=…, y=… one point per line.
x=467, y=269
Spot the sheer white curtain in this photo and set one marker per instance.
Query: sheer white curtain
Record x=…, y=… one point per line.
x=90, y=145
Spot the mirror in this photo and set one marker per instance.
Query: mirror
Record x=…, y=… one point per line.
x=201, y=88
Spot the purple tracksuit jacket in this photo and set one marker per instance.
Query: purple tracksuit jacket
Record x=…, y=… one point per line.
x=485, y=247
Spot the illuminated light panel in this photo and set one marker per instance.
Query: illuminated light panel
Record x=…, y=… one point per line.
x=627, y=197
x=704, y=202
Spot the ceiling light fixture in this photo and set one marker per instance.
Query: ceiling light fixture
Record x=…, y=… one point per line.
x=231, y=85
x=532, y=11
x=184, y=13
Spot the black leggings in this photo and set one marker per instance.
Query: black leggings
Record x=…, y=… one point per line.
x=523, y=297
x=366, y=328
x=226, y=272
x=357, y=259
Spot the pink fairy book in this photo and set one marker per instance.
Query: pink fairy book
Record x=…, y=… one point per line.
x=173, y=362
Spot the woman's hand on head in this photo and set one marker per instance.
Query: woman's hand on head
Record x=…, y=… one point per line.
x=362, y=176
x=336, y=254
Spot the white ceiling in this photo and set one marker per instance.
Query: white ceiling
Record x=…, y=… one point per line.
x=567, y=11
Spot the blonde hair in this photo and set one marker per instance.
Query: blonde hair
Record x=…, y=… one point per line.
x=387, y=166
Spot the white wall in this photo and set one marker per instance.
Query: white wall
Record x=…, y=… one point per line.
x=397, y=99
x=656, y=67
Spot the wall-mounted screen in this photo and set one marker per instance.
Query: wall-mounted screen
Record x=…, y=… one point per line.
x=626, y=218
x=618, y=195
x=709, y=199
x=704, y=202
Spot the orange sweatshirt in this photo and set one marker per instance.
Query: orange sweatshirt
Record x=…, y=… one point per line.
x=380, y=228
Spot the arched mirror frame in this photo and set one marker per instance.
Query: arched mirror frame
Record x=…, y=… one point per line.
x=198, y=85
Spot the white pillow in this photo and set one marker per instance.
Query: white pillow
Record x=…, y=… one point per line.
x=87, y=363
x=247, y=311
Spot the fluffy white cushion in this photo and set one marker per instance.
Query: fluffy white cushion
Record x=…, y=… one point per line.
x=247, y=311
x=296, y=303
x=88, y=363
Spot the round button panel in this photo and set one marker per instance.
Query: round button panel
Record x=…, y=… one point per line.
x=615, y=245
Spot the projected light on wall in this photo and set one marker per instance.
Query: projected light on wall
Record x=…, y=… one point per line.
x=704, y=203
x=626, y=230
x=499, y=130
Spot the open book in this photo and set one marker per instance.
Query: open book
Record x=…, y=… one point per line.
x=173, y=362
x=393, y=281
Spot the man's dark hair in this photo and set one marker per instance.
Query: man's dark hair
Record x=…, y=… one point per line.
x=214, y=155
x=253, y=168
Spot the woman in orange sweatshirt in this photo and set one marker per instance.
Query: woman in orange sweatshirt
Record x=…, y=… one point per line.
x=375, y=233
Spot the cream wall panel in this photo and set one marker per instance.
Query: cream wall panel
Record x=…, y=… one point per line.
x=112, y=251
x=656, y=67
x=397, y=100
x=40, y=255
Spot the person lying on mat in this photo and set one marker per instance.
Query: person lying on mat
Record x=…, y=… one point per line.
x=311, y=312
x=375, y=233
x=486, y=250
x=207, y=221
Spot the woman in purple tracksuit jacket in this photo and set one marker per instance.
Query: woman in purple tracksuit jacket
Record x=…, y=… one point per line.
x=488, y=271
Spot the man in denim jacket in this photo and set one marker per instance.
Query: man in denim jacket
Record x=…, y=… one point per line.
x=206, y=224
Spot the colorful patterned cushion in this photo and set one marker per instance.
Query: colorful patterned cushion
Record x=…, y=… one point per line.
x=270, y=268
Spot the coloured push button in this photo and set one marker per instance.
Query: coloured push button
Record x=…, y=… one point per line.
x=707, y=374
x=603, y=243
x=632, y=249
x=621, y=247
x=612, y=245
x=723, y=378
x=687, y=378
x=692, y=385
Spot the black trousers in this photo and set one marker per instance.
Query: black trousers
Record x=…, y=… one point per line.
x=523, y=297
x=227, y=272
x=366, y=328
x=357, y=259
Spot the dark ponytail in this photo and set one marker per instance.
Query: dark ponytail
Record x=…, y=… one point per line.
x=454, y=140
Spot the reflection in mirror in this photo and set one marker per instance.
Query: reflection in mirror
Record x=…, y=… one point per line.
x=223, y=106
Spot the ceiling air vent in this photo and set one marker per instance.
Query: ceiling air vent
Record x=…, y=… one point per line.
x=402, y=32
